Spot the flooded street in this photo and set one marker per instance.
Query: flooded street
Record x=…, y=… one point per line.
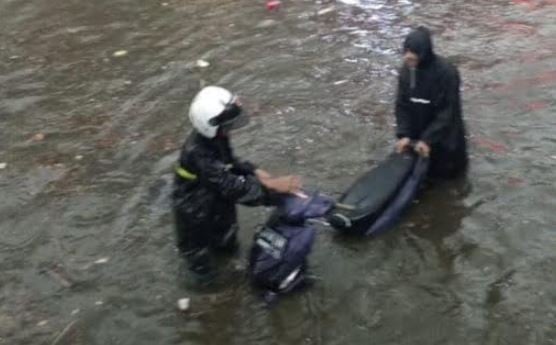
x=93, y=102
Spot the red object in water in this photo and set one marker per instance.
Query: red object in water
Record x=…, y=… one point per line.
x=519, y=28
x=273, y=5
x=544, y=79
x=531, y=4
x=515, y=182
x=491, y=145
x=538, y=105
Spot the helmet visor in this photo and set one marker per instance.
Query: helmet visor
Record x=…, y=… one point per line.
x=232, y=117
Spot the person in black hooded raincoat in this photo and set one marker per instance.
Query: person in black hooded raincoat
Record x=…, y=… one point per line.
x=428, y=107
x=210, y=180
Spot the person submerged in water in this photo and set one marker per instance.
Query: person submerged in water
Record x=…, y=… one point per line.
x=210, y=180
x=428, y=107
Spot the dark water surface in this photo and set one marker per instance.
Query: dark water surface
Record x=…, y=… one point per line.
x=89, y=140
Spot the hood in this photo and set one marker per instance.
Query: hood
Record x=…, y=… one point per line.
x=419, y=41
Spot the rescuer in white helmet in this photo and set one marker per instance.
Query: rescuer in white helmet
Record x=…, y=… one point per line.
x=210, y=181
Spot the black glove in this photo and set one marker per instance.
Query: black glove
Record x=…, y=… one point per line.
x=244, y=168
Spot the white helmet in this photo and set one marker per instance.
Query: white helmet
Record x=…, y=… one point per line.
x=212, y=108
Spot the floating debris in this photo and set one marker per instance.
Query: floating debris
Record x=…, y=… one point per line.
x=78, y=157
x=57, y=273
x=202, y=63
x=273, y=5
x=4, y=165
x=42, y=323
x=164, y=4
x=553, y=157
x=183, y=304
x=266, y=24
x=326, y=10
x=120, y=53
x=75, y=311
x=127, y=82
x=38, y=137
x=102, y=261
x=99, y=303
x=63, y=333
x=340, y=82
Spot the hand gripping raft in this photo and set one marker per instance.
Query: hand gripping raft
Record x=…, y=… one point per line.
x=378, y=198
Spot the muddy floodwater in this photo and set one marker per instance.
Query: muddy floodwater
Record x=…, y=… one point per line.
x=93, y=100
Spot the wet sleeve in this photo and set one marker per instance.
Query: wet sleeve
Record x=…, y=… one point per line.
x=403, y=124
x=244, y=167
x=446, y=111
x=244, y=189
